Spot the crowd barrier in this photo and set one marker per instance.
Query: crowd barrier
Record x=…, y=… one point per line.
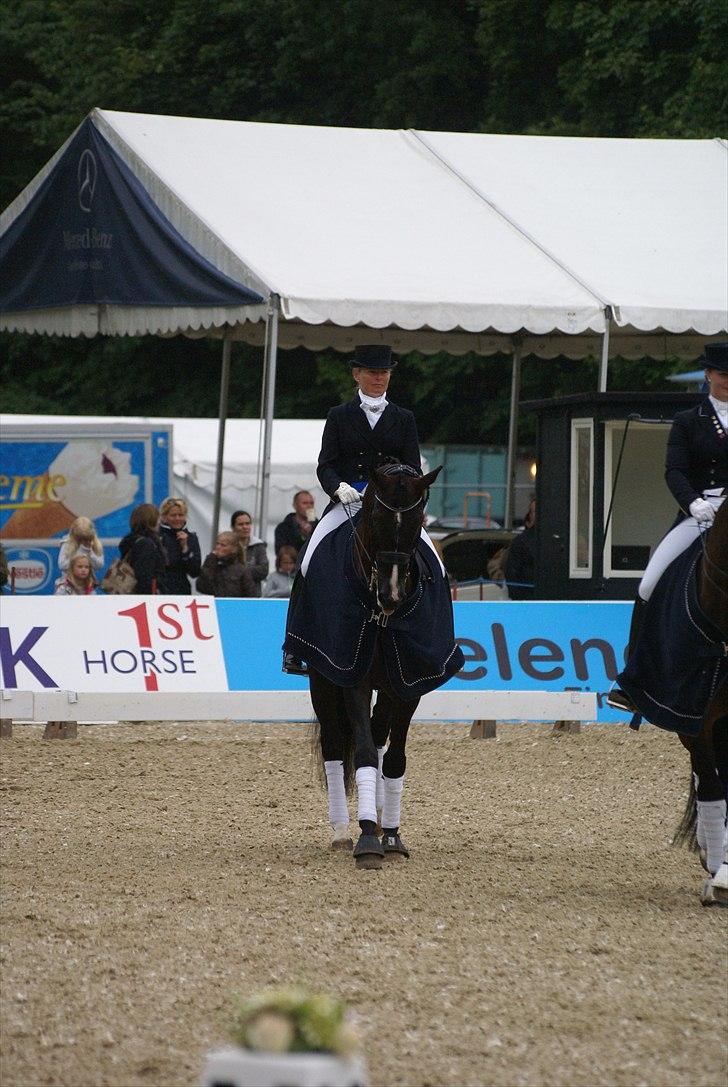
x=198, y=658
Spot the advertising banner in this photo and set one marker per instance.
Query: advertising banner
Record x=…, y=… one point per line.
x=198, y=643
x=51, y=475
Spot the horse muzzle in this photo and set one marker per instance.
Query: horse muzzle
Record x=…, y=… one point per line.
x=390, y=584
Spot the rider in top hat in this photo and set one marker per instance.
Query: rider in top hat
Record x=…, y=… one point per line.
x=696, y=471
x=358, y=437
x=361, y=435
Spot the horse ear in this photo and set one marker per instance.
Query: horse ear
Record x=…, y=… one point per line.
x=430, y=478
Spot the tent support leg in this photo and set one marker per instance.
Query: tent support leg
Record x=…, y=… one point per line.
x=270, y=396
x=513, y=435
x=224, y=389
x=604, y=365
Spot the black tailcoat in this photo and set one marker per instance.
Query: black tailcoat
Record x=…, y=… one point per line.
x=697, y=454
x=351, y=449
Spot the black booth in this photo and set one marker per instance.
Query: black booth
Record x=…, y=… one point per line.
x=601, y=497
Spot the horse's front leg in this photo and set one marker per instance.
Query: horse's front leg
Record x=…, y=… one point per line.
x=393, y=769
x=368, y=851
x=711, y=804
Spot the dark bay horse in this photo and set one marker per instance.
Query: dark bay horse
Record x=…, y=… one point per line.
x=704, y=823
x=386, y=578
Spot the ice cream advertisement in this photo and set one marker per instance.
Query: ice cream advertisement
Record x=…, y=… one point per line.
x=47, y=481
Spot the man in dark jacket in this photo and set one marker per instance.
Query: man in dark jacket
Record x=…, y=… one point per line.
x=295, y=529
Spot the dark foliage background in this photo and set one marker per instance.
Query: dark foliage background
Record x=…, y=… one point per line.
x=654, y=68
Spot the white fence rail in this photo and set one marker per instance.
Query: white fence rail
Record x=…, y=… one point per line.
x=89, y=707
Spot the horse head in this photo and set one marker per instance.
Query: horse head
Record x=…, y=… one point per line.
x=713, y=577
x=393, y=513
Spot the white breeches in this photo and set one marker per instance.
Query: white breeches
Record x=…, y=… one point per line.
x=672, y=545
x=331, y=520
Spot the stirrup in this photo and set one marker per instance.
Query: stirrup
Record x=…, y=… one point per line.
x=618, y=700
x=294, y=666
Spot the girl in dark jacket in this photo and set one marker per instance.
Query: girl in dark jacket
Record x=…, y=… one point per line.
x=143, y=549
x=182, y=546
x=223, y=572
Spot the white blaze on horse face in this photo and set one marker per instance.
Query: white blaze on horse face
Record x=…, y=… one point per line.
x=394, y=582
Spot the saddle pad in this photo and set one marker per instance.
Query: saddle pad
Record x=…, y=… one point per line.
x=332, y=622
x=677, y=665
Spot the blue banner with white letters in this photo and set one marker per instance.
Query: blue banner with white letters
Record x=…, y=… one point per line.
x=92, y=234
x=202, y=644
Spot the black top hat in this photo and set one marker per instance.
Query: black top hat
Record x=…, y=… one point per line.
x=716, y=356
x=373, y=356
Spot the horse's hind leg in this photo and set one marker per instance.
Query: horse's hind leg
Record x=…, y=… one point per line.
x=328, y=706
x=711, y=807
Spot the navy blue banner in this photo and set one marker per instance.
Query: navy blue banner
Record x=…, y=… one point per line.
x=92, y=234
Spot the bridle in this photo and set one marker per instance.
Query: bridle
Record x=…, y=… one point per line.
x=390, y=558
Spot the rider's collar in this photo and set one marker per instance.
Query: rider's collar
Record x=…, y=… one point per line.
x=373, y=403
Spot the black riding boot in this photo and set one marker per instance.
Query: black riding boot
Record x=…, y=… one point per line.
x=292, y=664
x=616, y=698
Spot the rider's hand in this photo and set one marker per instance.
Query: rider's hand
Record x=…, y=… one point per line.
x=347, y=494
x=702, y=511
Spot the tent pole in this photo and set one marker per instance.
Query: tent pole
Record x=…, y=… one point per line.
x=513, y=435
x=604, y=366
x=224, y=387
x=270, y=396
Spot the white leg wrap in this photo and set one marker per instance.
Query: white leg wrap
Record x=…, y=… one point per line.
x=338, y=807
x=380, y=786
x=366, y=791
x=699, y=829
x=392, y=802
x=711, y=821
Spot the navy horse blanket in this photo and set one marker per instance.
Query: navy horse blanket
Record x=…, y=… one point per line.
x=334, y=623
x=679, y=661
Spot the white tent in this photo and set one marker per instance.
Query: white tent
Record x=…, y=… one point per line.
x=430, y=241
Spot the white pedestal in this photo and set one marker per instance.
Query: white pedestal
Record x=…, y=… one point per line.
x=235, y=1067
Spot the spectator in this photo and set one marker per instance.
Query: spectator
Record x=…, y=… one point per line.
x=143, y=549
x=280, y=581
x=81, y=540
x=224, y=571
x=295, y=529
x=78, y=579
x=4, y=574
x=254, y=552
x=520, y=564
x=181, y=546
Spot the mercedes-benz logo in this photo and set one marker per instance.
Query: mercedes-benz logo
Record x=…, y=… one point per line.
x=87, y=173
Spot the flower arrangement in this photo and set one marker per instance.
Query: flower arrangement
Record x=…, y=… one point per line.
x=290, y=1019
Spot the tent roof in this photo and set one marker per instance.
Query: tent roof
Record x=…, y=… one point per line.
x=449, y=241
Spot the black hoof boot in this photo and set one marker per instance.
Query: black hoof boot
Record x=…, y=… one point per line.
x=294, y=666
x=368, y=852
x=394, y=847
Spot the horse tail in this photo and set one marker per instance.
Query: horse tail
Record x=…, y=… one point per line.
x=686, y=832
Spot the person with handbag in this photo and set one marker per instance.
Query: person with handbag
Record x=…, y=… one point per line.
x=143, y=550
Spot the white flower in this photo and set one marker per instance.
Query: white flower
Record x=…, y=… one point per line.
x=271, y=1032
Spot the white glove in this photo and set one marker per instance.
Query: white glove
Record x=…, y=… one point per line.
x=347, y=494
x=702, y=511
